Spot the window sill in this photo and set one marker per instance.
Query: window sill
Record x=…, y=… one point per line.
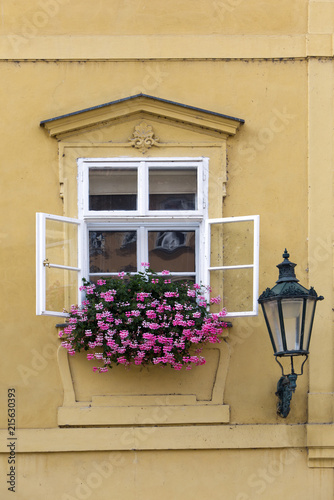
x=150, y=396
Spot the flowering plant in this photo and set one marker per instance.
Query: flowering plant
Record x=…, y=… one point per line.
x=142, y=319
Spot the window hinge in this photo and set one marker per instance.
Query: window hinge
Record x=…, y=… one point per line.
x=46, y=263
x=61, y=191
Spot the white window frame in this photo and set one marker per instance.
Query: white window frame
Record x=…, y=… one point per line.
x=143, y=165
x=42, y=262
x=254, y=265
x=142, y=249
x=144, y=220
x=143, y=217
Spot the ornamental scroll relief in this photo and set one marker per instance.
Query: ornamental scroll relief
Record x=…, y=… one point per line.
x=143, y=137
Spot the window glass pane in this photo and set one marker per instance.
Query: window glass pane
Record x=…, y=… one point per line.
x=235, y=287
x=112, y=251
x=172, y=250
x=173, y=189
x=112, y=189
x=189, y=279
x=61, y=289
x=61, y=243
x=232, y=243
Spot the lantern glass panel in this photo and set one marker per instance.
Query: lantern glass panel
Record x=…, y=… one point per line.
x=292, y=310
x=310, y=307
x=271, y=309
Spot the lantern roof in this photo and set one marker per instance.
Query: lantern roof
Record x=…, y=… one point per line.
x=287, y=284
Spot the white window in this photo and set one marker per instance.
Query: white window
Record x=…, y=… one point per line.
x=232, y=253
x=58, y=258
x=139, y=211
x=135, y=211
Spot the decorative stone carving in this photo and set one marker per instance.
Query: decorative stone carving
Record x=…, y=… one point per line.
x=143, y=137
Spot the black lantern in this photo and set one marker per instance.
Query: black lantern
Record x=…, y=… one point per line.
x=288, y=310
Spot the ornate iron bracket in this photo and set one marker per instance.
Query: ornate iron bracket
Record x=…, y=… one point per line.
x=285, y=387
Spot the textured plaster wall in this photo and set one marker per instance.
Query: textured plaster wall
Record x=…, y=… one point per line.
x=62, y=17
x=279, y=166
x=220, y=475
x=266, y=176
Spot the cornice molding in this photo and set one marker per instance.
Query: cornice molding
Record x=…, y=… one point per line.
x=164, y=47
x=181, y=437
x=142, y=104
x=320, y=443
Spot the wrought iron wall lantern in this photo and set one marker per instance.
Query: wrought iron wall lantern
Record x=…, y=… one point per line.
x=288, y=310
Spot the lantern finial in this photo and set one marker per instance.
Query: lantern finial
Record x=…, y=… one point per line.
x=286, y=269
x=285, y=255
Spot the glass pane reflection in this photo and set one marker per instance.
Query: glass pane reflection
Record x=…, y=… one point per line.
x=172, y=250
x=173, y=189
x=112, y=251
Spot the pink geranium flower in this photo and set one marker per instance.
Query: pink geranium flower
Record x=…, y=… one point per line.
x=143, y=319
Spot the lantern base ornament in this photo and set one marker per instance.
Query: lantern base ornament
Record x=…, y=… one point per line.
x=285, y=387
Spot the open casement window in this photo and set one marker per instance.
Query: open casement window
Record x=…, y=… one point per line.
x=134, y=211
x=58, y=264
x=232, y=257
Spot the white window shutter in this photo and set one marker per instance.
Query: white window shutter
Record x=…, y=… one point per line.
x=58, y=264
x=232, y=262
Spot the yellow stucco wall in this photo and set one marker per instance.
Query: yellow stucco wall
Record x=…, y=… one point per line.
x=268, y=63
x=274, y=474
x=198, y=17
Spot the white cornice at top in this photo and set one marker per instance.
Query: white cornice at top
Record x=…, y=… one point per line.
x=193, y=47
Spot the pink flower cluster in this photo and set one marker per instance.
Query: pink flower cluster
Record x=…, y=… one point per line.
x=142, y=320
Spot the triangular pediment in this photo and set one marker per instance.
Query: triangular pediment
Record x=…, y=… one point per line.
x=140, y=104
